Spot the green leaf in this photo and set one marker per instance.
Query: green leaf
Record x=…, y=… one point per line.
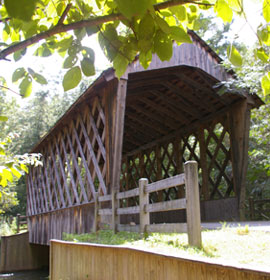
x=265, y=83
x=21, y=9
x=15, y=172
x=88, y=67
x=3, y=118
x=180, y=35
x=70, y=61
x=19, y=54
x=223, y=10
x=234, y=56
x=164, y=26
x=26, y=86
x=146, y=27
x=261, y=54
x=145, y=59
x=24, y=167
x=40, y=79
x=18, y=74
x=120, y=64
x=266, y=10
x=72, y=78
x=264, y=35
x=180, y=12
x=7, y=174
x=163, y=46
x=133, y=7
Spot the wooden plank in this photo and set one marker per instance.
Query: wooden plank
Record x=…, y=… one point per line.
x=166, y=205
x=72, y=182
x=30, y=186
x=117, y=145
x=128, y=210
x=93, y=157
x=44, y=190
x=105, y=211
x=90, y=180
x=144, y=200
x=203, y=163
x=47, y=181
x=126, y=194
x=63, y=173
x=76, y=167
x=103, y=198
x=193, y=204
x=53, y=185
x=166, y=183
x=96, y=134
x=57, y=177
x=129, y=228
x=167, y=228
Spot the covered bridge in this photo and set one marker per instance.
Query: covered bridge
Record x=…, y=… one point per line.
x=147, y=124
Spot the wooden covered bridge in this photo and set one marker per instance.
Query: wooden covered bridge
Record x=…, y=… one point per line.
x=147, y=124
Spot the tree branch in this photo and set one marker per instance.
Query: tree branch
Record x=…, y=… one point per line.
x=59, y=28
x=6, y=88
x=63, y=16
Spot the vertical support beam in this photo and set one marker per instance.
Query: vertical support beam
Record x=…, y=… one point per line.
x=193, y=204
x=144, y=200
x=178, y=157
x=96, y=215
x=118, y=132
x=203, y=162
x=239, y=120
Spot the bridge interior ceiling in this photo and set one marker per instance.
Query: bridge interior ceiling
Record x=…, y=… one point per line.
x=174, y=115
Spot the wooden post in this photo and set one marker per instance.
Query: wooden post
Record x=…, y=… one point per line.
x=239, y=135
x=118, y=132
x=193, y=204
x=203, y=160
x=96, y=217
x=144, y=200
x=18, y=223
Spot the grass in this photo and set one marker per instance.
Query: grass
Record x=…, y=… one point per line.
x=235, y=245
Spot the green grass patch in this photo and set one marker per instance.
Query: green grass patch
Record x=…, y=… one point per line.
x=237, y=245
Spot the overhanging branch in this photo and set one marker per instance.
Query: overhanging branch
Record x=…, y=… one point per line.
x=59, y=28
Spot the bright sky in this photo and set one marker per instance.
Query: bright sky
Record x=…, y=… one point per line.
x=50, y=67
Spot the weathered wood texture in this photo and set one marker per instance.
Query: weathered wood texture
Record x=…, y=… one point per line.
x=100, y=262
x=198, y=55
x=149, y=123
x=17, y=254
x=44, y=227
x=163, y=160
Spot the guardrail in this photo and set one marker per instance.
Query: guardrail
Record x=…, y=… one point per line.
x=191, y=203
x=21, y=220
x=259, y=208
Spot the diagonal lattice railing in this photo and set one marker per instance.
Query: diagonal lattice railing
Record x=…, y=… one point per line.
x=74, y=164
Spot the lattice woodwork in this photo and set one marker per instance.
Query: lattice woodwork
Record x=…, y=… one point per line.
x=166, y=160
x=74, y=164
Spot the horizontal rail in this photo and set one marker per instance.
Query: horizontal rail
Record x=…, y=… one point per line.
x=167, y=228
x=126, y=194
x=105, y=211
x=130, y=228
x=104, y=198
x=166, y=183
x=166, y=205
x=128, y=210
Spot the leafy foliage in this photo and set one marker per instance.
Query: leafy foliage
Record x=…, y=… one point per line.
x=124, y=29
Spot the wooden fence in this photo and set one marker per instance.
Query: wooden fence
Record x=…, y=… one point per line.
x=191, y=203
x=69, y=260
x=259, y=209
x=21, y=220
